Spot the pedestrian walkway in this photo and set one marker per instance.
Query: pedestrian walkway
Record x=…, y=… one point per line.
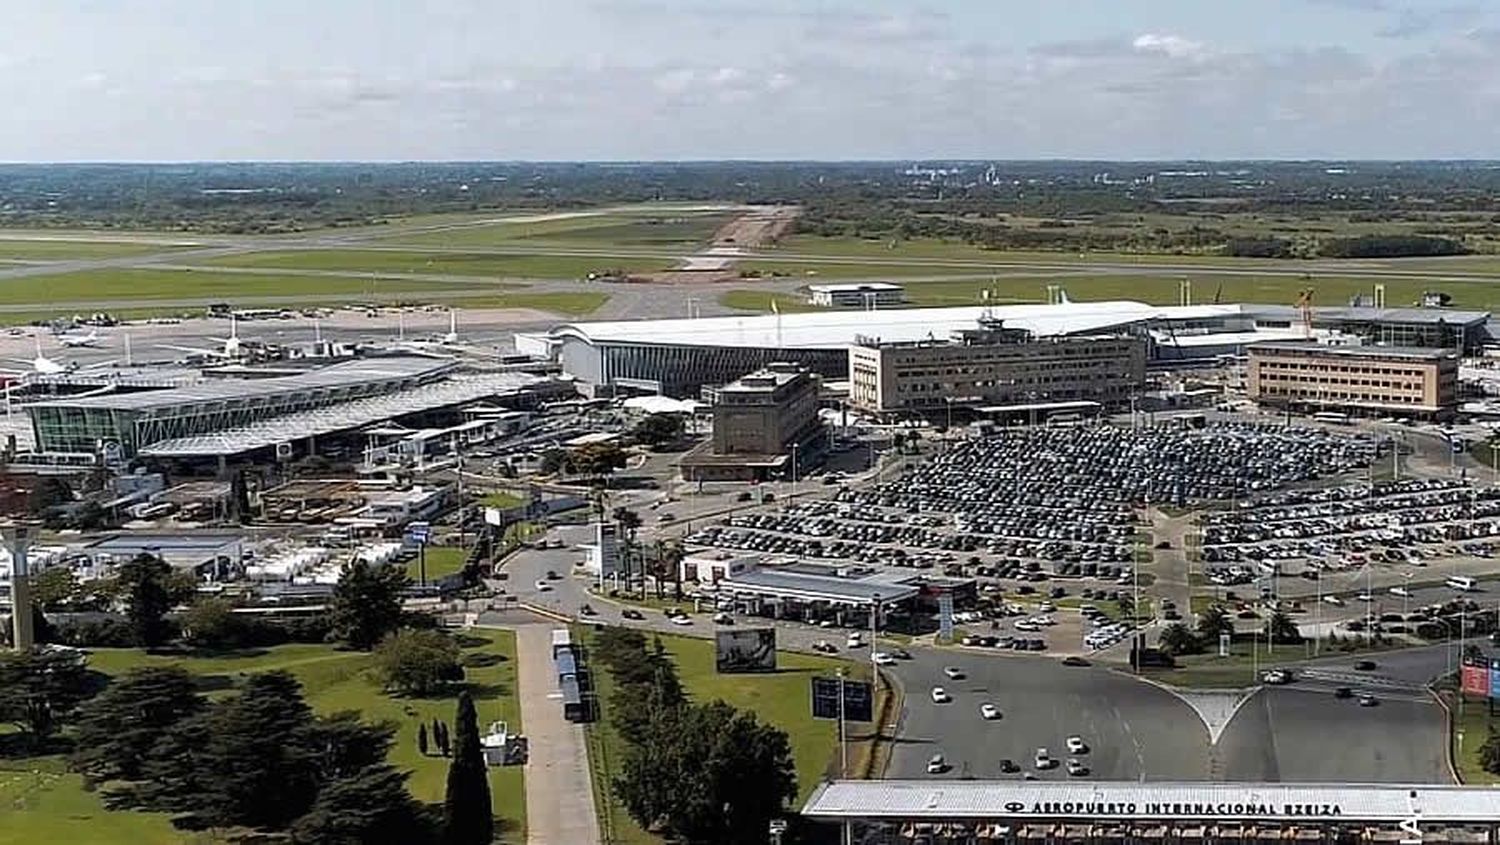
x=559, y=798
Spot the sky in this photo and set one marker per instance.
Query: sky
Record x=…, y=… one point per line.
x=175, y=80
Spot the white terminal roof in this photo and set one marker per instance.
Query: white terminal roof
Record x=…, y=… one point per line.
x=837, y=329
x=342, y=417
x=1097, y=801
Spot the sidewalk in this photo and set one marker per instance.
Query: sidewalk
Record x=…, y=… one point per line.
x=559, y=797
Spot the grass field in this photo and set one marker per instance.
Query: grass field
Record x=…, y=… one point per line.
x=636, y=227
x=502, y=499
x=1475, y=724
x=39, y=802
x=478, y=265
x=760, y=301
x=141, y=284
x=441, y=560
x=571, y=303
x=61, y=250
x=782, y=699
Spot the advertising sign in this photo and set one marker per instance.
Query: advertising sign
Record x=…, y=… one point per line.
x=859, y=700
x=745, y=650
x=945, y=616
x=1475, y=678
x=1495, y=679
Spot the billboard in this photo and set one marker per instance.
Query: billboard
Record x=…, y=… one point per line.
x=859, y=699
x=1475, y=677
x=945, y=616
x=1495, y=679
x=745, y=650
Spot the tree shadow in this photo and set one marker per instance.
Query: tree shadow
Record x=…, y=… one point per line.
x=16, y=746
x=481, y=660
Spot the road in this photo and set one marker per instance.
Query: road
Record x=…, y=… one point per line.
x=559, y=798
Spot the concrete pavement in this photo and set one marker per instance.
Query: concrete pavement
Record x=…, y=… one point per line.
x=559, y=796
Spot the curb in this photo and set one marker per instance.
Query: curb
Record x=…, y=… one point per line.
x=542, y=611
x=1448, y=746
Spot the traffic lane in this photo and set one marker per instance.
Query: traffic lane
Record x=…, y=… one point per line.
x=1289, y=734
x=1133, y=729
x=1416, y=666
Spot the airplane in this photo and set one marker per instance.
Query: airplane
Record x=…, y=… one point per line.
x=73, y=339
x=41, y=365
x=439, y=343
x=232, y=347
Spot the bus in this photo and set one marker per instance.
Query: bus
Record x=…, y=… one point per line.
x=1331, y=418
x=1462, y=583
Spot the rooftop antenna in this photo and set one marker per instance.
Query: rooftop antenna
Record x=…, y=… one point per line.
x=776, y=309
x=127, y=349
x=1380, y=295
x=984, y=297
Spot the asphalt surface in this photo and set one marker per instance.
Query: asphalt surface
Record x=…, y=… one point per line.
x=1134, y=730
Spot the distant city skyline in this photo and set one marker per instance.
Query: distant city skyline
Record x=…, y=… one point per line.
x=177, y=80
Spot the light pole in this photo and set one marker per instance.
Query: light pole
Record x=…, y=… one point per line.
x=1405, y=595
x=874, y=632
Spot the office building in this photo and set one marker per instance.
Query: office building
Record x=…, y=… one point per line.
x=868, y=295
x=1355, y=379
x=761, y=422
x=992, y=364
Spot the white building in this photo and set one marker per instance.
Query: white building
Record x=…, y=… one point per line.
x=857, y=295
x=603, y=559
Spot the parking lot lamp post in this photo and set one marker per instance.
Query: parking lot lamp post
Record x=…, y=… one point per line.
x=874, y=632
x=843, y=746
x=1405, y=595
x=1369, y=608
x=793, y=494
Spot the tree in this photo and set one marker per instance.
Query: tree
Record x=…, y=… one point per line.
x=149, y=589
x=444, y=742
x=119, y=730
x=54, y=587
x=366, y=603
x=1281, y=630
x=39, y=691
x=466, y=806
x=628, y=522
x=422, y=738
x=658, y=429
x=1489, y=753
x=417, y=662
x=552, y=462
x=212, y=623
x=371, y=805
x=597, y=460
x=1213, y=622
x=1178, y=639
x=49, y=491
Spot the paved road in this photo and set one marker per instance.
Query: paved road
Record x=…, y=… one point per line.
x=1134, y=730
x=559, y=798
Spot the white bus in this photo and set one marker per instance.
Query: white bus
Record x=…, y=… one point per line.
x=1462, y=583
x=1331, y=417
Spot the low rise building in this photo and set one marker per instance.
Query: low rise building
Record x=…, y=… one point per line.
x=765, y=424
x=992, y=364
x=857, y=295
x=1408, y=381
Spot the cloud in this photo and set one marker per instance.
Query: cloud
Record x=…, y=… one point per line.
x=1168, y=45
x=1414, y=22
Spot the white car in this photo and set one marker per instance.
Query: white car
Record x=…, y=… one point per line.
x=940, y=696
x=1333, y=600
x=1365, y=597
x=854, y=641
x=1043, y=760
x=936, y=765
x=1400, y=591
x=1046, y=607
x=681, y=620
x=953, y=672
x=882, y=659
x=988, y=711
x=723, y=619
x=1076, y=768
x=543, y=587
x=1076, y=745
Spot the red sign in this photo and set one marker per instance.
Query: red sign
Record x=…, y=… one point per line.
x=1476, y=680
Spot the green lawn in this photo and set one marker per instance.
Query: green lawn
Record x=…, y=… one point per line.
x=139, y=284
x=43, y=804
x=567, y=303
x=58, y=250
x=477, y=264
x=441, y=560
x=502, y=499
x=760, y=301
x=782, y=699
x=1475, y=724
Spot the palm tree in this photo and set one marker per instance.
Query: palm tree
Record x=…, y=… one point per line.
x=1281, y=630
x=628, y=522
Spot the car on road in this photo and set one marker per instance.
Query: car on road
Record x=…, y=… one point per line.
x=1343, y=692
x=1368, y=700
x=988, y=711
x=1008, y=767
x=1276, y=677
x=543, y=587
x=1076, y=745
x=680, y=620
x=1333, y=600
x=1365, y=665
x=901, y=654
x=854, y=641
x=824, y=647
x=1074, y=660
x=1043, y=760
x=940, y=696
x=631, y=613
x=723, y=619
x=553, y=576
x=880, y=658
x=586, y=610
x=1077, y=768
x=953, y=672
x=936, y=765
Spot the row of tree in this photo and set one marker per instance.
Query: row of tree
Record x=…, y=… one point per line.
x=696, y=773
x=1178, y=639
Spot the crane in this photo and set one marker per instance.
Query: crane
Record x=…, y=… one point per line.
x=1304, y=304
